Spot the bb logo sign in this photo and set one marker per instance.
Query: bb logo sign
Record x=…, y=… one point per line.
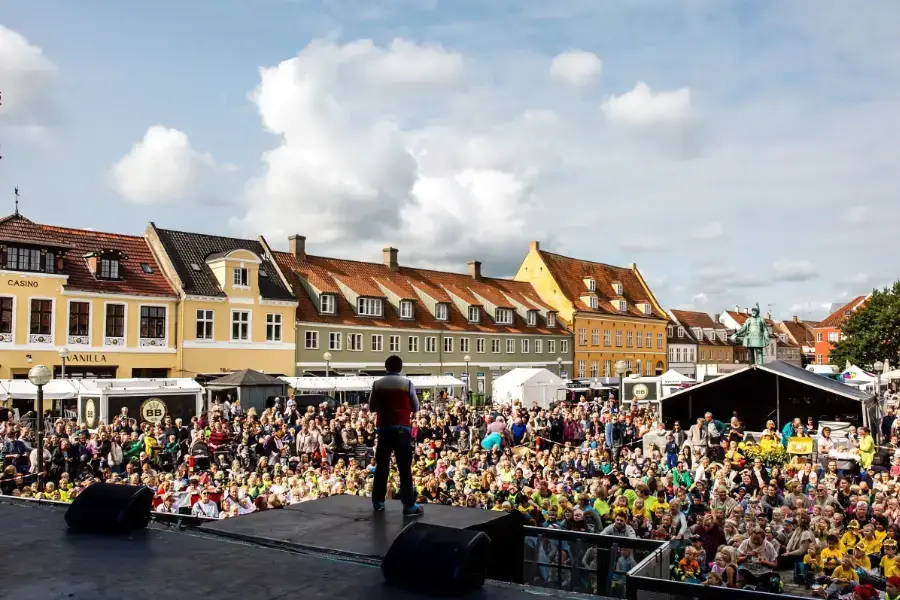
x=153, y=410
x=640, y=391
x=90, y=413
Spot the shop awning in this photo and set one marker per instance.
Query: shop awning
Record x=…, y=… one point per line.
x=56, y=389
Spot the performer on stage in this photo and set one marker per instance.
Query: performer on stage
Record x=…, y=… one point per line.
x=394, y=401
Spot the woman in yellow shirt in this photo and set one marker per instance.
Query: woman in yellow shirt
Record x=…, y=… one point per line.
x=866, y=447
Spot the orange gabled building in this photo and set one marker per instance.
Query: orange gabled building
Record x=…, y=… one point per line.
x=829, y=331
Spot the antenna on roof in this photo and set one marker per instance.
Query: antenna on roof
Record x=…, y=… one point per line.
x=16, y=192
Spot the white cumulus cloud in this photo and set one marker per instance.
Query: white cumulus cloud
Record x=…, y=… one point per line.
x=576, y=67
x=26, y=82
x=407, y=62
x=642, y=107
x=160, y=168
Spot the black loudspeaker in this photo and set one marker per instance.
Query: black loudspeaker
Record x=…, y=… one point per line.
x=110, y=508
x=437, y=561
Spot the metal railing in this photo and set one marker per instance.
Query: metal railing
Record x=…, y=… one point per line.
x=581, y=562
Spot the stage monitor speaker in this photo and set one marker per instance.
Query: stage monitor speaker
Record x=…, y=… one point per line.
x=110, y=508
x=436, y=560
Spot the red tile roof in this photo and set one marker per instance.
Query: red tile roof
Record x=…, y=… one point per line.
x=78, y=242
x=800, y=332
x=570, y=274
x=838, y=317
x=318, y=271
x=738, y=317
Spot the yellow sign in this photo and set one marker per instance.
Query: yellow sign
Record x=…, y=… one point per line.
x=153, y=410
x=90, y=412
x=640, y=391
x=800, y=445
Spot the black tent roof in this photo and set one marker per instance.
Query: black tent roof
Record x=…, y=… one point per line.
x=245, y=378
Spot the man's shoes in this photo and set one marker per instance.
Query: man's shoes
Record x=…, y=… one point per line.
x=415, y=510
x=378, y=506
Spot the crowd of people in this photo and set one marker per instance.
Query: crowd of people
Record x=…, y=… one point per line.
x=739, y=511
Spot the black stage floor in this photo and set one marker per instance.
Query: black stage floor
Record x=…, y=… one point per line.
x=345, y=524
x=39, y=559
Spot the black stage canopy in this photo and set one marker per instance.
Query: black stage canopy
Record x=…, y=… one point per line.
x=777, y=391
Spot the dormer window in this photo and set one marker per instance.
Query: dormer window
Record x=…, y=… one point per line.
x=406, y=309
x=474, y=314
x=670, y=330
x=551, y=319
x=504, y=316
x=617, y=288
x=592, y=302
x=623, y=305
x=109, y=268
x=646, y=308
x=241, y=278
x=532, y=318
x=327, y=304
x=681, y=332
x=441, y=311
x=368, y=307
x=698, y=333
x=28, y=259
x=591, y=284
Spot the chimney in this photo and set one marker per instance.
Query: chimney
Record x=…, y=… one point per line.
x=769, y=316
x=716, y=318
x=535, y=245
x=297, y=246
x=796, y=319
x=475, y=269
x=737, y=309
x=390, y=259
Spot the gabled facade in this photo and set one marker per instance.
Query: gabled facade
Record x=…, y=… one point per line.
x=362, y=312
x=713, y=346
x=829, y=331
x=234, y=311
x=611, y=311
x=683, y=349
x=102, y=296
x=800, y=335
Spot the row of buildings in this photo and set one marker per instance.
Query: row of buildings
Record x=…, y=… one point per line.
x=182, y=304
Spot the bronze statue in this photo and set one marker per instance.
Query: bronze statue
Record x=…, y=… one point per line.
x=754, y=334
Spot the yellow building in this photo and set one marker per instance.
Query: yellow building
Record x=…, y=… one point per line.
x=102, y=296
x=610, y=310
x=234, y=310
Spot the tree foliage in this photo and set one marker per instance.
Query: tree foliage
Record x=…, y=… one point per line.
x=872, y=332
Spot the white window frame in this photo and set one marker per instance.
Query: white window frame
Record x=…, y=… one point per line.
x=276, y=325
x=52, y=333
x=607, y=338
x=607, y=368
x=10, y=338
x=617, y=288
x=474, y=314
x=153, y=342
x=592, y=302
x=581, y=369
x=448, y=345
x=660, y=341
x=369, y=307
x=406, y=309
x=394, y=342
x=532, y=318
x=647, y=309
x=412, y=343
x=310, y=339
x=623, y=305
x=248, y=323
x=564, y=346
x=833, y=337
x=240, y=277
x=377, y=342
x=525, y=346
x=328, y=304
x=649, y=339
x=551, y=319
x=441, y=311
x=208, y=318
x=335, y=340
x=510, y=346
x=355, y=342
x=504, y=316
x=595, y=368
x=629, y=339
x=618, y=338
x=495, y=346
x=551, y=346
x=591, y=284
x=69, y=338
x=595, y=337
x=670, y=331
x=680, y=332
x=479, y=345
x=464, y=345
x=108, y=341
x=582, y=336
x=538, y=346
x=430, y=343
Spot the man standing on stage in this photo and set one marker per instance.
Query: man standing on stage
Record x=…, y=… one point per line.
x=394, y=401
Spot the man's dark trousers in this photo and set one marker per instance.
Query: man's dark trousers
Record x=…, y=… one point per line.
x=396, y=440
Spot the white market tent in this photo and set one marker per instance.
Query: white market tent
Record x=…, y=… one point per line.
x=853, y=375
x=309, y=385
x=534, y=387
x=56, y=389
x=673, y=377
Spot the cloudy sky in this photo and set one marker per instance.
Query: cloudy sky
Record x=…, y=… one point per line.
x=737, y=151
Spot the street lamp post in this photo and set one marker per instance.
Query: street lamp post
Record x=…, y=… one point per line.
x=559, y=366
x=621, y=369
x=466, y=359
x=879, y=367
x=40, y=376
x=63, y=354
x=327, y=357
